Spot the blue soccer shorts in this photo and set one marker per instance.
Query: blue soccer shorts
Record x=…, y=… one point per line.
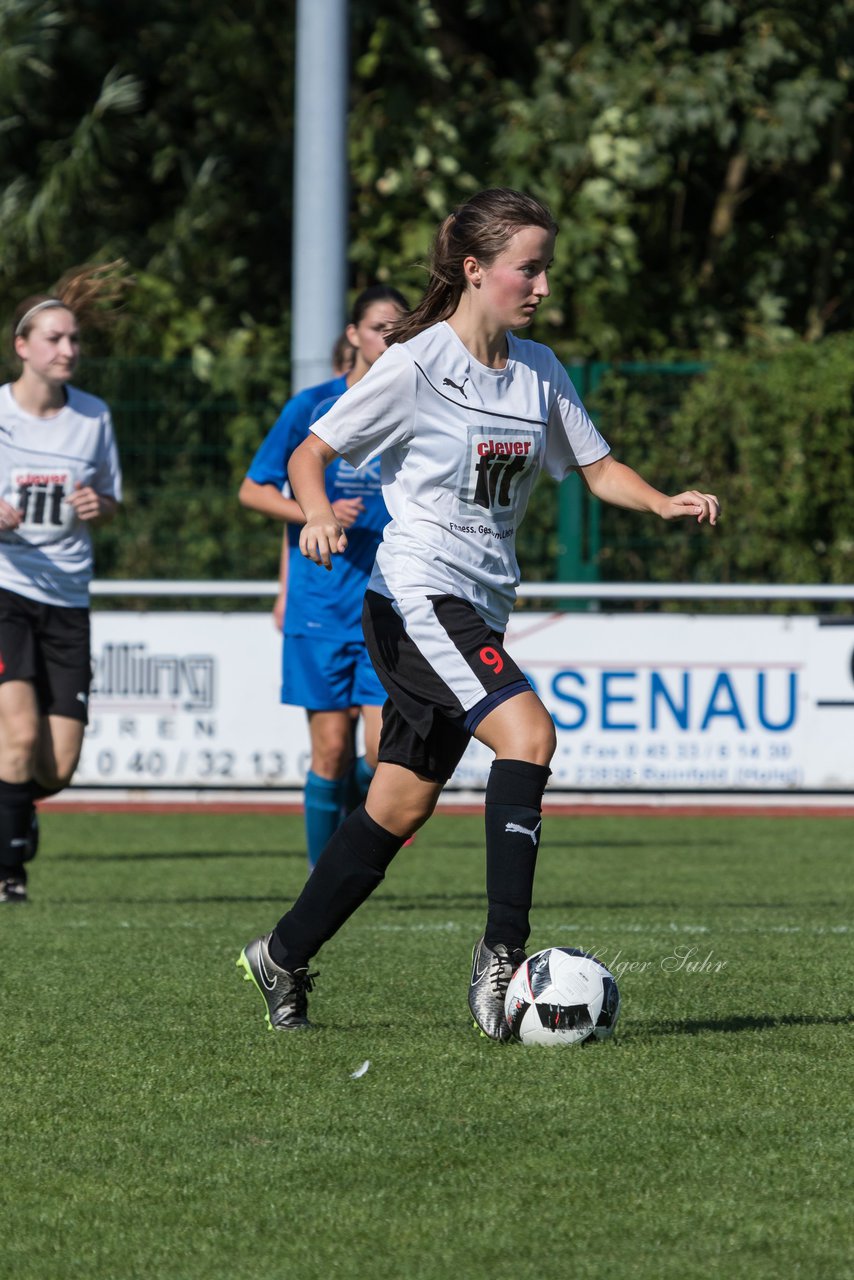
x=323, y=674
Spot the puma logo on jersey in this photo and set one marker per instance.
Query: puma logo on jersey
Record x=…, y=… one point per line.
x=523, y=831
x=446, y=382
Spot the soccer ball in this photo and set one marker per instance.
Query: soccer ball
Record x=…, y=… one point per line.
x=562, y=996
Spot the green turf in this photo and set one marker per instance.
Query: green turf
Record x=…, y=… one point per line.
x=152, y=1126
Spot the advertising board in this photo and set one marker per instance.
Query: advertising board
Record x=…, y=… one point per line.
x=641, y=702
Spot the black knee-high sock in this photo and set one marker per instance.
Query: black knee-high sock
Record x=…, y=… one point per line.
x=38, y=792
x=348, y=870
x=514, y=798
x=16, y=820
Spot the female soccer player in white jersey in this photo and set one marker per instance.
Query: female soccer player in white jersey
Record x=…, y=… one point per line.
x=59, y=473
x=464, y=415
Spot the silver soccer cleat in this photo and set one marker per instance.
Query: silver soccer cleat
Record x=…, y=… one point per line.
x=491, y=972
x=285, y=993
x=14, y=889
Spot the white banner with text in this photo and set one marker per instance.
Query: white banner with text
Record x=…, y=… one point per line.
x=649, y=702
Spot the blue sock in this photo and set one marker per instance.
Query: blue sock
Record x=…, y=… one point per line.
x=322, y=799
x=358, y=781
x=362, y=774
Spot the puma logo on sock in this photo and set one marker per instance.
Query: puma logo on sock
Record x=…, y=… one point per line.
x=523, y=831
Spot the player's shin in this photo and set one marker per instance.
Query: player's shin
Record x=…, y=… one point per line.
x=16, y=828
x=351, y=866
x=514, y=796
x=322, y=801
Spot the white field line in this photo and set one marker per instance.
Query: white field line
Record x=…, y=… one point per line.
x=451, y=926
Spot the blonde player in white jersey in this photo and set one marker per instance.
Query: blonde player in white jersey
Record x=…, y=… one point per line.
x=59, y=474
x=464, y=416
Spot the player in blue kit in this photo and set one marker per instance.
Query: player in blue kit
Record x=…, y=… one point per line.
x=343, y=358
x=463, y=415
x=325, y=665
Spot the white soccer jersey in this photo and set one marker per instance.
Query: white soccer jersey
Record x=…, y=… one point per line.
x=461, y=447
x=48, y=557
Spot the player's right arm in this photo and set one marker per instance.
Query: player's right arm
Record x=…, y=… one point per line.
x=322, y=535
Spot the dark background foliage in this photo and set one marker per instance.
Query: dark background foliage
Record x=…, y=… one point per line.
x=698, y=159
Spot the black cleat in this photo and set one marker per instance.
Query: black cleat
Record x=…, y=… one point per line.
x=284, y=992
x=13, y=889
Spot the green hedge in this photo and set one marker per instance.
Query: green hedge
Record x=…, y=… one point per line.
x=773, y=437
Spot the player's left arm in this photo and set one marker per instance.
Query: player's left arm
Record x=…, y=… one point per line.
x=614, y=482
x=91, y=506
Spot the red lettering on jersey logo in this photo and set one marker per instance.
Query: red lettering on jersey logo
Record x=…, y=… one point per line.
x=492, y=658
x=2, y=665
x=497, y=465
x=41, y=495
x=504, y=448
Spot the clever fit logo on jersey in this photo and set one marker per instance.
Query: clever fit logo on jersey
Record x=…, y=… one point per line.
x=498, y=461
x=40, y=495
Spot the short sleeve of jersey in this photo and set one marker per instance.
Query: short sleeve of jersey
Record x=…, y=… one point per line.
x=107, y=480
x=374, y=414
x=270, y=464
x=571, y=438
x=323, y=408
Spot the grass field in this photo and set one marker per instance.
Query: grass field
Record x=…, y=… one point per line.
x=152, y=1126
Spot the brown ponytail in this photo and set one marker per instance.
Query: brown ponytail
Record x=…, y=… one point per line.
x=92, y=292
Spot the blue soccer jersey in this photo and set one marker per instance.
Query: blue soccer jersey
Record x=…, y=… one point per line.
x=319, y=601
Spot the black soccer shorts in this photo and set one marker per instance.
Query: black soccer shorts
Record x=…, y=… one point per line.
x=444, y=669
x=50, y=646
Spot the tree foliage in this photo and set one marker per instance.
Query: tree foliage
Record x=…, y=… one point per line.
x=774, y=434
x=698, y=159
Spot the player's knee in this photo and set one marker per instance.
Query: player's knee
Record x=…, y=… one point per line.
x=404, y=816
x=331, y=753
x=415, y=815
x=18, y=743
x=536, y=742
x=57, y=777
x=331, y=763
x=549, y=744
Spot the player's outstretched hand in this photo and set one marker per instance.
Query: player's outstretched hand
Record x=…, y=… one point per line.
x=347, y=511
x=704, y=506
x=320, y=541
x=10, y=517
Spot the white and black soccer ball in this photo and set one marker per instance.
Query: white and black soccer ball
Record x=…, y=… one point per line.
x=562, y=996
